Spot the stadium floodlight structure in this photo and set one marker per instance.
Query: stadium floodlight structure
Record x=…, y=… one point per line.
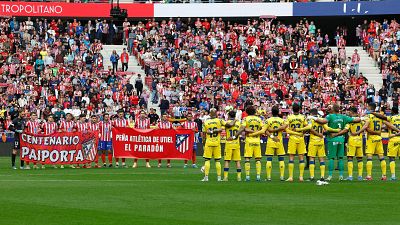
x=116, y=11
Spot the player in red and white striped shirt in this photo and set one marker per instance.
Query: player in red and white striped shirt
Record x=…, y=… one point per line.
x=120, y=122
x=93, y=125
x=190, y=124
x=142, y=122
x=68, y=125
x=164, y=123
x=33, y=127
x=49, y=127
x=82, y=126
x=105, y=139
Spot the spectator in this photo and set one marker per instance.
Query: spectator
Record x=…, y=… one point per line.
x=124, y=60
x=114, y=60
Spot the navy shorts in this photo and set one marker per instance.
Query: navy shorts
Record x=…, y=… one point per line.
x=105, y=145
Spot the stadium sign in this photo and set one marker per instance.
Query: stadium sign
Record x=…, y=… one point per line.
x=153, y=144
x=73, y=10
x=59, y=148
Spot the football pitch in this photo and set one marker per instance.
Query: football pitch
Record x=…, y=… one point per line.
x=176, y=196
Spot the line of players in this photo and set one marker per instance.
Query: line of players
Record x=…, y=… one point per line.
x=334, y=127
x=104, y=127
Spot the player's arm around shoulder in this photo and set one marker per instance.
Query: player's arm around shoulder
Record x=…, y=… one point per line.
x=260, y=132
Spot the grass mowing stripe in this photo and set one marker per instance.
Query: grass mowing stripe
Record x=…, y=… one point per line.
x=176, y=196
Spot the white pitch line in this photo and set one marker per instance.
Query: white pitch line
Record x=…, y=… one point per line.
x=53, y=180
x=79, y=174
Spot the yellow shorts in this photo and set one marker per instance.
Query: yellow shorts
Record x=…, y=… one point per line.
x=374, y=147
x=252, y=150
x=316, y=149
x=274, y=148
x=356, y=151
x=296, y=146
x=393, y=148
x=212, y=152
x=232, y=152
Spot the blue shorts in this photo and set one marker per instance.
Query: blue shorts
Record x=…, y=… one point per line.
x=105, y=145
x=195, y=146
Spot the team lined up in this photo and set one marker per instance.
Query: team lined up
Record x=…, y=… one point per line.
x=104, y=125
x=334, y=127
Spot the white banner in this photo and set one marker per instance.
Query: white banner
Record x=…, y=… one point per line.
x=223, y=10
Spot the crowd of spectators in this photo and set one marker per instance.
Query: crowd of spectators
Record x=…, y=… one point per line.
x=381, y=39
x=204, y=63
x=56, y=67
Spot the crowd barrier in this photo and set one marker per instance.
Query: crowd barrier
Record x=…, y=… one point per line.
x=234, y=10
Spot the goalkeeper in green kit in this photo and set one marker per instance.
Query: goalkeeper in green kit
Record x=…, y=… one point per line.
x=336, y=141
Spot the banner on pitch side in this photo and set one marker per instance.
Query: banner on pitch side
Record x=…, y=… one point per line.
x=153, y=143
x=59, y=148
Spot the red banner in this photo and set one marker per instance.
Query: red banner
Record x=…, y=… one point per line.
x=59, y=148
x=153, y=144
x=74, y=10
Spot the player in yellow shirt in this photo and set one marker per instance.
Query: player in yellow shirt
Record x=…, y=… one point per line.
x=316, y=146
x=252, y=149
x=273, y=128
x=354, y=144
x=296, y=143
x=393, y=125
x=212, y=143
x=373, y=126
x=232, y=146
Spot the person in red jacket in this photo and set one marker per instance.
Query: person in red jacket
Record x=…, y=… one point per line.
x=124, y=60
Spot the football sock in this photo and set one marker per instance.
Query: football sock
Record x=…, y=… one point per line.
x=218, y=167
x=123, y=160
x=226, y=173
x=168, y=161
x=281, y=166
x=341, y=166
x=159, y=161
x=360, y=165
x=383, y=166
x=312, y=168
x=96, y=159
x=301, y=167
x=350, y=167
x=369, y=167
x=13, y=157
x=22, y=163
x=392, y=166
x=147, y=160
x=194, y=158
x=206, y=167
x=269, y=167
x=291, y=167
x=116, y=160
x=247, y=168
x=258, y=168
x=239, y=174
x=110, y=156
x=322, y=168
x=186, y=162
x=103, y=158
x=331, y=166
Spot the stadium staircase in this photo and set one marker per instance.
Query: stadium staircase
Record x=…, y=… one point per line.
x=133, y=67
x=368, y=67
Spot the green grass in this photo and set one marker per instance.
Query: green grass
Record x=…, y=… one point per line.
x=176, y=196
